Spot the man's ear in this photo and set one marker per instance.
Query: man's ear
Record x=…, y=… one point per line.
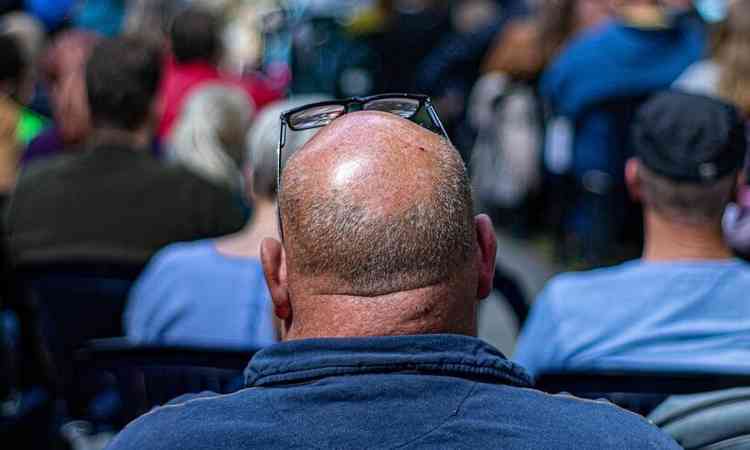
x=486, y=252
x=274, y=267
x=632, y=179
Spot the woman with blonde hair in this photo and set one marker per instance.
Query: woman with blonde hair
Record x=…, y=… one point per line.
x=208, y=138
x=212, y=292
x=726, y=73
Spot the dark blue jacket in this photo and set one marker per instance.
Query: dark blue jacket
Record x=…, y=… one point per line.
x=436, y=391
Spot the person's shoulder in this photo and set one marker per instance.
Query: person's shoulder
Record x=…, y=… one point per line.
x=591, y=280
x=197, y=421
x=38, y=176
x=587, y=42
x=52, y=166
x=596, y=423
x=741, y=269
x=182, y=177
x=180, y=254
x=610, y=424
x=562, y=421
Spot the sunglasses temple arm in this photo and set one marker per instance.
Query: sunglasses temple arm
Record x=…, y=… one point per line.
x=282, y=143
x=433, y=115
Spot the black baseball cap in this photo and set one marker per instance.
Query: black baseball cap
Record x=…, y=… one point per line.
x=689, y=138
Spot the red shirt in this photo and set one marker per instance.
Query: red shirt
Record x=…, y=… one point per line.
x=181, y=79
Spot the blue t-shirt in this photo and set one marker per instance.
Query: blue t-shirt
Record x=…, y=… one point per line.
x=653, y=316
x=190, y=294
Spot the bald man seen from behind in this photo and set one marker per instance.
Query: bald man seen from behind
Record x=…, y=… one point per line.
x=376, y=284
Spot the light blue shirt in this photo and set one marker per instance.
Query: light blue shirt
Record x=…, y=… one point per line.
x=192, y=295
x=651, y=316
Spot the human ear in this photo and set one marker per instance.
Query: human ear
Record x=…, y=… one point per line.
x=273, y=259
x=632, y=179
x=486, y=253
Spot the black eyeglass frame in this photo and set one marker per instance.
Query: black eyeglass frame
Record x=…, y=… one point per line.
x=424, y=103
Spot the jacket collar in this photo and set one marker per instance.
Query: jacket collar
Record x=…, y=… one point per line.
x=453, y=355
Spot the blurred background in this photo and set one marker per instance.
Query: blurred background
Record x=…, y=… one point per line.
x=538, y=109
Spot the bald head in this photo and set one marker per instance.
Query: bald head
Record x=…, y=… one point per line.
x=376, y=204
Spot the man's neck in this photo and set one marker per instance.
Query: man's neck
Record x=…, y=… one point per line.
x=429, y=310
x=246, y=243
x=668, y=240
x=137, y=139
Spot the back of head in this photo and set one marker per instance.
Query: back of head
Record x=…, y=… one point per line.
x=67, y=54
x=196, y=36
x=63, y=65
x=690, y=148
x=209, y=136
x=151, y=19
x=14, y=66
x=28, y=30
x=263, y=140
x=122, y=77
x=376, y=205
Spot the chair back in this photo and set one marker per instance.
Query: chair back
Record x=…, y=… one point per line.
x=147, y=376
x=639, y=392
x=79, y=301
x=76, y=302
x=714, y=420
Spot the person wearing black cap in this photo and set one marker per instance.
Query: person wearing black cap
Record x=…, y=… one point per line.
x=683, y=305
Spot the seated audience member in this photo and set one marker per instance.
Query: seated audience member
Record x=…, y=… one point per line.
x=724, y=75
x=151, y=19
x=641, y=51
x=683, y=305
x=209, y=137
x=63, y=68
x=114, y=200
x=28, y=31
x=196, y=49
x=15, y=90
x=377, y=284
x=212, y=292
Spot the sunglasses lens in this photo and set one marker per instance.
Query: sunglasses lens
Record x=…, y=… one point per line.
x=315, y=117
x=404, y=107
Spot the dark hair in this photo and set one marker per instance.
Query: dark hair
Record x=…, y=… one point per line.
x=692, y=203
x=14, y=65
x=195, y=36
x=122, y=77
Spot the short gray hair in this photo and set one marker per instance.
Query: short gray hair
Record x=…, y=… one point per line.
x=376, y=253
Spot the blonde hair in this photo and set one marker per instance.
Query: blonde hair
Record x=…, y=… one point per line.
x=209, y=137
x=732, y=53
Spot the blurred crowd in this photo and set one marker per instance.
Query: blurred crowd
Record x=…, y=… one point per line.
x=142, y=135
